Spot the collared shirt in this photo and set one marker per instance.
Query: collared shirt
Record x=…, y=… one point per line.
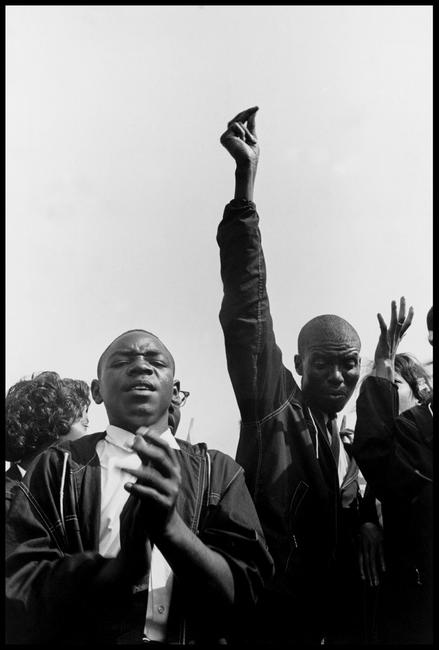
x=343, y=458
x=115, y=452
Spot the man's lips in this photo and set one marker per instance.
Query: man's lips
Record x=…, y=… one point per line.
x=143, y=386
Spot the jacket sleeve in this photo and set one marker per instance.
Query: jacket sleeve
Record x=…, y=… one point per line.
x=254, y=360
x=50, y=586
x=231, y=527
x=389, y=448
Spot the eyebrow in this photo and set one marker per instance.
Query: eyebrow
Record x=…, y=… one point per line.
x=136, y=353
x=330, y=355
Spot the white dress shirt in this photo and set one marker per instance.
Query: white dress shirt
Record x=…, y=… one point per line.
x=115, y=452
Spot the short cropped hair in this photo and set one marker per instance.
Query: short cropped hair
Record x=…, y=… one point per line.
x=101, y=358
x=327, y=327
x=41, y=410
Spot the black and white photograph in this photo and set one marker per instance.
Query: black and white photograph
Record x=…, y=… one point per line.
x=219, y=325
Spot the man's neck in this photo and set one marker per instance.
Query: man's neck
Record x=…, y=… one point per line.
x=158, y=427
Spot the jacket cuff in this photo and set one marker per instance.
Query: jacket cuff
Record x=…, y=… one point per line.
x=241, y=203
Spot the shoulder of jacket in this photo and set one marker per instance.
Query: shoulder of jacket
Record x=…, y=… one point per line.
x=198, y=449
x=224, y=469
x=80, y=450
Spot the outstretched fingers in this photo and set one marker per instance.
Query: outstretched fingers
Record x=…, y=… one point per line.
x=408, y=321
x=401, y=313
x=402, y=322
x=382, y=323
x=393, y=315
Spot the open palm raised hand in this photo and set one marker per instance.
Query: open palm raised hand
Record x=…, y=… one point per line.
x=391, y=336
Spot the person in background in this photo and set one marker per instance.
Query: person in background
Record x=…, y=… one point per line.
x=430, y=325
x=301, y=474
x=79, y=397
x=39, y=412
x=130, y=535
x=394, y=449
x=414, y=388
x=177, y=403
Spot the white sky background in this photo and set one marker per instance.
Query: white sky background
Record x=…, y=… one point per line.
x=116, y=180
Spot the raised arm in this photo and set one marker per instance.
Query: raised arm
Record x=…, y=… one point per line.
x=260, y=381
x=388, y=446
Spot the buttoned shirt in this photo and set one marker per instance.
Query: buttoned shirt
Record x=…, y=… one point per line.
x=115, y=453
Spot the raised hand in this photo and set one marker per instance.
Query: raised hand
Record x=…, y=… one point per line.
x=391, y=336
x=158, y=483
x=240, y=138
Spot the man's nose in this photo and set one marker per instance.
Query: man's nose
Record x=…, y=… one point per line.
x=336, y=375
x=140, y=365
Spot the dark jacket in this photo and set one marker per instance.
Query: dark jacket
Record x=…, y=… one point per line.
x=283, y=446
x=395, y=454
x=52, y=542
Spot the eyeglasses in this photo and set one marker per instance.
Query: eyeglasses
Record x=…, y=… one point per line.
x=182, y=397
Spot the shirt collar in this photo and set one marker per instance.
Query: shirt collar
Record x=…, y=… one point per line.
x=124, y=439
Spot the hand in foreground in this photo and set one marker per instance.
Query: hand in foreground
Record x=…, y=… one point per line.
x=391, y=336
x=158, y=483
x=371, y=553
x=240, y=139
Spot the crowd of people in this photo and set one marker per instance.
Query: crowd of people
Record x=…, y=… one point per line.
x=134, y=535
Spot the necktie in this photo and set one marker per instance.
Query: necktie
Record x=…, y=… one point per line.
x=335, y=437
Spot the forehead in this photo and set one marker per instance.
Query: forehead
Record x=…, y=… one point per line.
x=137, y=342
x=332, y=349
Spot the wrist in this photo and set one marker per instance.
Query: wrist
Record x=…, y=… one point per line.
x=246, y=168
x=172, y=532
x=385, y=369
x=245, y=181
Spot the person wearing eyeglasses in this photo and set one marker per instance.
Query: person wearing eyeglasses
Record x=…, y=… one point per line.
x=175, y=407
x=132, y=535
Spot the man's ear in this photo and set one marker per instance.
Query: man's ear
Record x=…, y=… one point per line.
x=298, y=364
x=175, y=390
x=96, y=391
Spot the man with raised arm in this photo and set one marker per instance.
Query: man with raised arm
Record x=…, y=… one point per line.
x=395, y=454
x=300, y=473
x=130, y=535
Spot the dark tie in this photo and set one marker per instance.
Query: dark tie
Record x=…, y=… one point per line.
x=335, y=437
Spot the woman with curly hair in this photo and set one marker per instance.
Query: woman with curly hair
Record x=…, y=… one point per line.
x=40, y=411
